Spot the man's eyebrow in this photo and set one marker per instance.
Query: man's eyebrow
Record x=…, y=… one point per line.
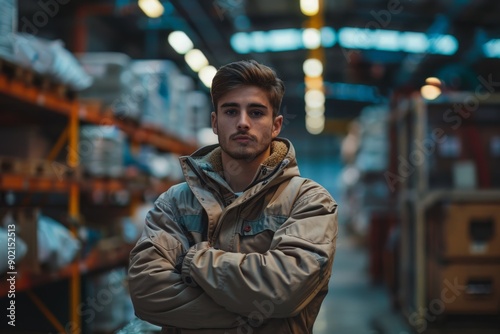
x=257, y=105
x=234, y=104
x=229, y=104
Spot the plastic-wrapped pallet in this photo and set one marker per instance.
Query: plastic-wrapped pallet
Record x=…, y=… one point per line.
x=374, y=144
x=8, y=26
x=155, y=79
x=102, y=150
x=49, y=58
x=56, y=245
x=197, y=114
x=137, y=325
x=115, y=85
x=180, y=86
x=115, y=308
x=165, y=166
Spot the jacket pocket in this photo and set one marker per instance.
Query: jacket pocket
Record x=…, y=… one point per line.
x=256, y=235
x=169, y=246
x=267, y=223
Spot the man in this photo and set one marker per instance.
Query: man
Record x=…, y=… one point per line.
x=245, y=245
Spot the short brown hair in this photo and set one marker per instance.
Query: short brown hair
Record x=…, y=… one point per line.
x=248, y=73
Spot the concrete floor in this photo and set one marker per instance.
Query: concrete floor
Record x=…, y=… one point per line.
x=354, y=305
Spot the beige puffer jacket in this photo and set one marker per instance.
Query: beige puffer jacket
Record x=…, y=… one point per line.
x=264, y=263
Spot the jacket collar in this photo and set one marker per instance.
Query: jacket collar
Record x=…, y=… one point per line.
x=208, y=161
x=278, y=152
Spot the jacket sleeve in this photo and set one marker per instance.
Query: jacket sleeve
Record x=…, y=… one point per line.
x=158, y=294
x=282, y=281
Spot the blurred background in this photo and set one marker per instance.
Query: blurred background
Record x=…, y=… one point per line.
x=392, y=105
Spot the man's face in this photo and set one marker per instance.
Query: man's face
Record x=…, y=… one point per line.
x=244, y=124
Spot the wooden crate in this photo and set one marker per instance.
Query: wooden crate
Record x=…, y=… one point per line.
x=463, y=288
x=471, y=231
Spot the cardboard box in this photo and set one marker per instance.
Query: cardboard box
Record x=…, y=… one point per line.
x=27, y=142
x=461, y=288
x=471, y=231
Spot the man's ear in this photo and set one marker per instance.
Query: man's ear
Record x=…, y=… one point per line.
x=277, y=124
x=213, y=120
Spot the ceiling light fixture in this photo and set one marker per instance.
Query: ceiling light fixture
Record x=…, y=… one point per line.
x=311, y=38
x=152, y=8
x=312, y=67
x=180, y=42
x=316, y=111
x=314, y=98
x=430, y=92
x=206, y=75
x=315, y=124
x=492, y=48
x=433, y=81
x=195, y=59
x=309, y=7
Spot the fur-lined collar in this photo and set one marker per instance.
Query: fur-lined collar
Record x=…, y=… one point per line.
x=278, y=152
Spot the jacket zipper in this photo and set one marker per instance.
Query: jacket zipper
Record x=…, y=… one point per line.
x=218, y=228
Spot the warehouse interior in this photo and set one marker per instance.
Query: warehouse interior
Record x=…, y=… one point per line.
x=392, y=105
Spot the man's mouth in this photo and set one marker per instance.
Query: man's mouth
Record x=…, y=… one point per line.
x=242, y=138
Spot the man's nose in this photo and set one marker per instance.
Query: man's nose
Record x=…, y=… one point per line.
x=243, y=121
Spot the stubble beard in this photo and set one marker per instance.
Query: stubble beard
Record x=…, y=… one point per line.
x=241, y=155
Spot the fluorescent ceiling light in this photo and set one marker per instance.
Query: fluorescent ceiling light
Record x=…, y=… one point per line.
x=311, y=38
x=284, y=39
x=430, y=92
x=309, y=7
x=152, y=8
x=312, y=67
x=180, y=42
x=413, y=42
x=328, y=37
x=443, y=45
x=316, y=111
x=206, y=75
x=433, y=81
x=315, y=124
x=314, y=98
x=492, y=48
x=241, y=43
x=351, y=38
x=259, y=41
x=389, y=41
x=263, y=41
x=195, y=59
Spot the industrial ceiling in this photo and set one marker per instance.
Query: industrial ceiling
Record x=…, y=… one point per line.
x=354, y=76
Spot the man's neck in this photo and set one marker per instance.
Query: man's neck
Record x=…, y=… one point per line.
x=239, y=173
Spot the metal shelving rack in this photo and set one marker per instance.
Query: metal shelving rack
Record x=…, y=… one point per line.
x=416, y=196
x=48, y=102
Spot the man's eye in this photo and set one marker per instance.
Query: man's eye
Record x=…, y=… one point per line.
x=230, y=112
x=256, y=113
